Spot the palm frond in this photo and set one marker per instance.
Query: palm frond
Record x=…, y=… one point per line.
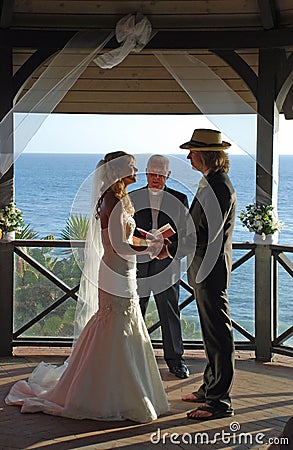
x=27, y=233
x=76, y=228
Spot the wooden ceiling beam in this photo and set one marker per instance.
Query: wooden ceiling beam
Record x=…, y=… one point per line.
x=28, y=68
x=162, y=40
x=232, y=40
x=288, y=105
x=269, y=13
x=285, y=69
x=239, y=66
x=284, y=86
x=6, y=13
x=35, y=38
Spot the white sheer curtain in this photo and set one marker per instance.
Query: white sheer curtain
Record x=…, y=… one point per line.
x=35, y=106
x=134, y=31
x=215, y=99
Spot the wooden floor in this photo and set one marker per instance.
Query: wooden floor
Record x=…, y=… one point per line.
x=262, y=398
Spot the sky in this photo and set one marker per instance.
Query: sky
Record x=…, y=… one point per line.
x=97, y=133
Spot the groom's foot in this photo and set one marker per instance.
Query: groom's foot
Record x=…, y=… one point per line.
x=193, y=398
x=180, y=371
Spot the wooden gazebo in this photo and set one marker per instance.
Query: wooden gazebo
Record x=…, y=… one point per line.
x=248, y=45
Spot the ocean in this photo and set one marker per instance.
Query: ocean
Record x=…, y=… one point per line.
x=47, y=184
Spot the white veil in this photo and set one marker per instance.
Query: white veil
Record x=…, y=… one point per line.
x=87, y=302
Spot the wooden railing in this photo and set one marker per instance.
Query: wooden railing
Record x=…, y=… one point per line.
x=265, y=342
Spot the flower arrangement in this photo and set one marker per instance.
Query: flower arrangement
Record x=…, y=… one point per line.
x=11, y=218
x=261, y=219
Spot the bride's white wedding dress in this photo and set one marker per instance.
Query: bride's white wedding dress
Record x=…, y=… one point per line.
x=112, y=373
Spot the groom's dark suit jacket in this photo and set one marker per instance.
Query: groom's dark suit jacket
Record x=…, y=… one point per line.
x=213, y=211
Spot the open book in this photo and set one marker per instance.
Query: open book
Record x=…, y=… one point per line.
x=165, y=231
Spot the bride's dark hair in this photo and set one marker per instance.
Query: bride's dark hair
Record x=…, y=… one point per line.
x=113, y=179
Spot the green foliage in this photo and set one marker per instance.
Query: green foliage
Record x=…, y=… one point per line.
x=152, y=317
x=76, y=228
x=52, y=324
x=34, y=293
x=190, y=328
x=49, y=237
x=189, y=324
x=26, y=233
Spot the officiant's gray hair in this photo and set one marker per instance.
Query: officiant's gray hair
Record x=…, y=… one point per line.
x=159, y=159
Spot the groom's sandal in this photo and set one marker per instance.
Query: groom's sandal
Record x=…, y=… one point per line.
x=214, y=413
x=194, y=398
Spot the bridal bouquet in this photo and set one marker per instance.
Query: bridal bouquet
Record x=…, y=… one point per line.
x=11, y=218
x=261, y=219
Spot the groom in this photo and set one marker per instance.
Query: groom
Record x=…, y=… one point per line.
x=213, y=211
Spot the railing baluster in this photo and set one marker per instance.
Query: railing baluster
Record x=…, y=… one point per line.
x=46, y=311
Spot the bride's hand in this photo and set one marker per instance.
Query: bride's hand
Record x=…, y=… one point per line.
x=154, y=247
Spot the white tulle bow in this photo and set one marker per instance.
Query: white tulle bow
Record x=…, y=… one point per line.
x=134, y=31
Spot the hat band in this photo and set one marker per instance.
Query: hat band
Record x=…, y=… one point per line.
x=203, y=144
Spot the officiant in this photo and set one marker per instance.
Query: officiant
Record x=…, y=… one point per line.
x=157, y=205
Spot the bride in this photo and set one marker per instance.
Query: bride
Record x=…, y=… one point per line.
x=112, y=372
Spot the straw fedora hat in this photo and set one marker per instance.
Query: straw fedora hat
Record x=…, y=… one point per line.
x=204, y=139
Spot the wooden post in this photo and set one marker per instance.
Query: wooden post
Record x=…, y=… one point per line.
x=263, y=303
x=6, y=297
x=6, y=195
x=6, y=94
x=266, y=193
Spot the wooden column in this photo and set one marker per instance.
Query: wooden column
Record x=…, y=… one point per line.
x=6, y=195
x=267, y=127
x=6, y=297
x=266, y=193
x=6, y=93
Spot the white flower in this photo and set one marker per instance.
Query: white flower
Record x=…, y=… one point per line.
x=11, y=218
x=262, y=219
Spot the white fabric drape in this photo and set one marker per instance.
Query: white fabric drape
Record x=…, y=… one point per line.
x=87, y=303
x=134, y=32
x=50, y=88
x=215, y=99
x=61, y=74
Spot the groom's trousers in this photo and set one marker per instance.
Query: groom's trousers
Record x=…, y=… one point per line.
x=214, y=313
